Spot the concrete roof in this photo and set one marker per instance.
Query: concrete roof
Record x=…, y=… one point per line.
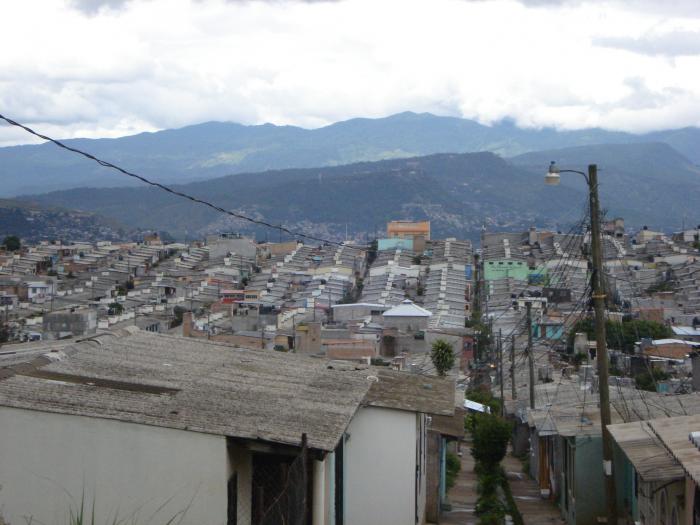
x=407, y=308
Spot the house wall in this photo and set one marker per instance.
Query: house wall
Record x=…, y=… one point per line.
x=353, y=312
x=627, y=503
x=393, y=243
x=380, y=468
x=690, y=502
x=48, y=461
x=406, y=324
x=589, y=483
x=650, y=498
x=222, y=246
x=56, y=324
x=433, y=477
x=504, y=268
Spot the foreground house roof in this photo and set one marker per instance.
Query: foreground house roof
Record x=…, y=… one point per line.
x=674, y=432
x=188, y=384
x=644, y=449
x=202, y=386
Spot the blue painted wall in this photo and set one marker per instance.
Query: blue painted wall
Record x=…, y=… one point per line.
x=390, y=244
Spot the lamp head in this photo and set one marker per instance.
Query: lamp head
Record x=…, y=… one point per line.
x=552, y=178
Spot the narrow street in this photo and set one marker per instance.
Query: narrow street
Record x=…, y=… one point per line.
x=533, y=509
x=463, y=494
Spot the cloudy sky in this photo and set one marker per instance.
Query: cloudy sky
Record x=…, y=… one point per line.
x=104, y=68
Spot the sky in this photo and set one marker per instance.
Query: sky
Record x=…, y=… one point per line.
x=107, y=68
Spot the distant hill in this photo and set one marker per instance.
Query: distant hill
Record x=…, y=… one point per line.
x=459, y=193
x=644, y=183
x=33, y=223
x=215, y=149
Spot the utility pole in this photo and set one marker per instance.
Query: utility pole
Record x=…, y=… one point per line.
x=476, y=305
x=553, y=178
x=513, y=393
x=601, y=347
x=500, y=366
x=491, y=339
x=530, y=356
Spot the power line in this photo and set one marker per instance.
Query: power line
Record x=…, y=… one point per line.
x=172, y=191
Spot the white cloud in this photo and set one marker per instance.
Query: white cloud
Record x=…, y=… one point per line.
x=110, y=67
x=670, y=44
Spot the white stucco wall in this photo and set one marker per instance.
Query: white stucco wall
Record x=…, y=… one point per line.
x=129, y=469
x=380, y=467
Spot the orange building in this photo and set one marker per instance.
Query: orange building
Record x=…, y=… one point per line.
x=408, y=229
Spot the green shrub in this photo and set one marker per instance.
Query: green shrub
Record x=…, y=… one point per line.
x=490, y=439
x=484, y=396
x=647, y=381
x=442, y=356
x=452, y=467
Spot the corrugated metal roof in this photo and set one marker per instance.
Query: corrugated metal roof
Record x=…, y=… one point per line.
x=407, y=308
x=685, y=330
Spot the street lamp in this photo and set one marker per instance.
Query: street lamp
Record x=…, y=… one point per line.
x=552, y=178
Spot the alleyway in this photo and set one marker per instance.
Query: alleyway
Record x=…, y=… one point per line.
x=534, y=510
x=463, y=494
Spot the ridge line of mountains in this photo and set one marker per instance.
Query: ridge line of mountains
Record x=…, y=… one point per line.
x=363, y=172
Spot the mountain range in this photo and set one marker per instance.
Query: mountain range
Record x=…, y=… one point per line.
x=215, y=149
x=646, y=183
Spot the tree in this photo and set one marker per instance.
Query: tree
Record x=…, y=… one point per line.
x=178, y=312
x=115, y=309
x=647, y=381
x=4, y=333
x=372, y=252
x=443, y=356
x=490, y=440
x=622, y=335
x=12, y=243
